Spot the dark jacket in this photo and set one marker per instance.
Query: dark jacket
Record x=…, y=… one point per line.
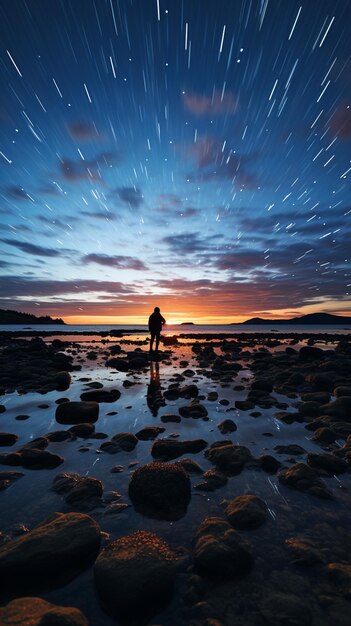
x=155, y=322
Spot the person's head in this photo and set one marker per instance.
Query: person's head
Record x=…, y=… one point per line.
x=156, y=309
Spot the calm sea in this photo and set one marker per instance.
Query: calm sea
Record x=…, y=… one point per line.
x=178, y=329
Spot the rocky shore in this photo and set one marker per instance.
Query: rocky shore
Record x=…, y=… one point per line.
x=207, y=485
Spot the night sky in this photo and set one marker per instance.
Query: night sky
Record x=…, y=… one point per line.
x=193, y=155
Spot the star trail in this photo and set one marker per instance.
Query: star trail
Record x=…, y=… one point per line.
x=193, y=155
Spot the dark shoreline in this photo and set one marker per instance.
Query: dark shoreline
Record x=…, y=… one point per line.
x=327, y=336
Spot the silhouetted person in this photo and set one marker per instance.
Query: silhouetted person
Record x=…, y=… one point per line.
x=154, y=396
x=156, y=322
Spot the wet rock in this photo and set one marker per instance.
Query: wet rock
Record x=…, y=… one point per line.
x=189, y=391
x=149, y=433
x=2, y=408
x=194, y=410
x=213, y=480
x=212, y=396
x=169, y=417
x=37, y=612
x=135, y=576
x=327, y=462
x=227, y=426
x=244, y=405
x=12, y=458
x=119, y=364
x=220, y=552
x=288, y=418
x=303, y=478
x=160, y=490
x=340, y=573
x=303, y=552
x=309, y=409
x=166, y=450
x=121, y=441
x=262, y=384
x=324, y=435
x=293, y=448
x=190, y=466
x=7, y=478
x=100, y=395
x=116, y=349
x=342, y=391
x=268, y=463
x=246, y=511
x=310, y=353
x=285, y=608
x=8, y=439
x=59, y=435
x=39, y=459
x=77, y=412
x=321, y=397
x=228, y=457
x=54, y=551
x=339, y=409
x=84, y=430
x=78, y=490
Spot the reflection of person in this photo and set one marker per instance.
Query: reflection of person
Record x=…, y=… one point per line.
x=156, y=322
x=154, y=394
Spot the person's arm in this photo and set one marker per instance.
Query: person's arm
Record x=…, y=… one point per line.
x=163, y=321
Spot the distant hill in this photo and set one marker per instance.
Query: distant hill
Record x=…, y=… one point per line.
x=14, y=317
x=187, y=324
x=312, y=318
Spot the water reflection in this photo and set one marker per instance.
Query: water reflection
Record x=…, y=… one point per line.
x=154, y=396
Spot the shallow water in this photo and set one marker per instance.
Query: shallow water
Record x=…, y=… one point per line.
x=30, y=499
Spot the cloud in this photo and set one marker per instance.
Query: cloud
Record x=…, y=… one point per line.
x=16, y=192
x=20, y=286
x=218, y=104
x=131, y=196
x=340, y=121
x=74, y=170
x=30, y=248
x=100, y=215
x=215, y=161
x=83, y=130
x=118, y=262
x=187, y=243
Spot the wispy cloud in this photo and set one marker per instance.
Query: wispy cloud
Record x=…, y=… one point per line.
x=217, y=104
x=118, y=262
x=31, y=248
x=82, y=130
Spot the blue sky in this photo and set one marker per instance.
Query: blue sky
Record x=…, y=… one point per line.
x=191, y=155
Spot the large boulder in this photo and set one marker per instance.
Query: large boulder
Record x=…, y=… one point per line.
x=328, y=463
x=246, y=511
x=77, y=412
x=53, y=552
x=220, y=552
x=303, y=478
x=38, y=612
x=160, y=490
x=168, y=449
x=135, y=575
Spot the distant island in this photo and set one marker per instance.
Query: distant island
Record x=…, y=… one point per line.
x=187, y=324
x=15, y=317
x=320, y=319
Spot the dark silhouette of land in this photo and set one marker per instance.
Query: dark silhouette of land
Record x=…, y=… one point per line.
x=311, y=318
x=15, y=317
